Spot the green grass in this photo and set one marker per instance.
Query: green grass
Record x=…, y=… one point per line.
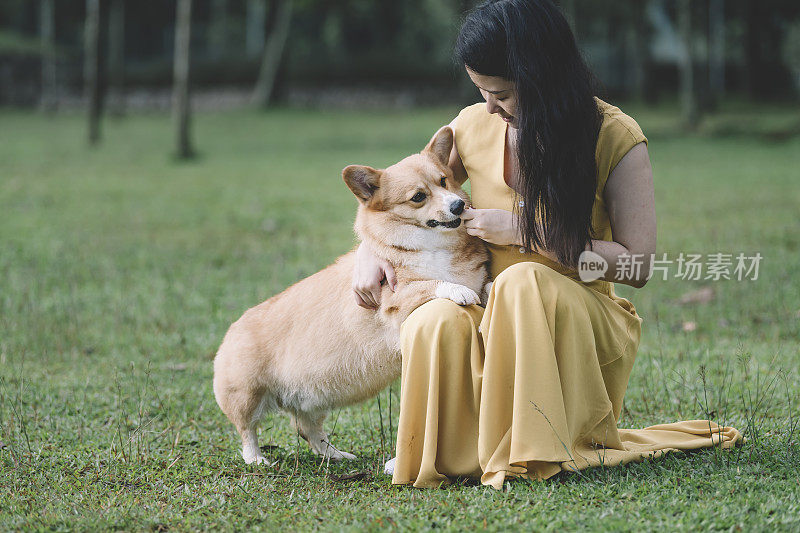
x=120, y=270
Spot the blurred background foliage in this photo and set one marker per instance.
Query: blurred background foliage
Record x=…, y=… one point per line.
x=743, y=47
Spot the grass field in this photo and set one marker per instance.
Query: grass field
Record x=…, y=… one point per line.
x=120, y=270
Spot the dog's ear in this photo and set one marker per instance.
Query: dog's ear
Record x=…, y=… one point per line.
x=363, y=181
x=441, y=145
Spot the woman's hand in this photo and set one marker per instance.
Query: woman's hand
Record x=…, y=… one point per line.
x=370, y=270
x=496, y=226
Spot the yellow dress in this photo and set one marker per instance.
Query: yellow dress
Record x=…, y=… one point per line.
x=533, y=384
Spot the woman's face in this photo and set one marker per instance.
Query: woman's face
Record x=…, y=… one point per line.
x=499, y=93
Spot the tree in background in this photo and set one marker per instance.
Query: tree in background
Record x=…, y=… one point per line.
x=639, y=31
x=281, y=12
x=116, y=57
x=634, y=46
x=255, y=27
x=181, y=105
x=716, y=51
x=49, y=96
x=91, y=63
x=765, y=22
x=688, y=89
x=791, y=52
x=218, y=29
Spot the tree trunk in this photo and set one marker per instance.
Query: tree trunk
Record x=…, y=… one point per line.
x=691, y=111
x=116, y=57
x=614, y=62
x=49, y=94
x=255, y=26
x=218, y=29
x=181, y=112
x=716, y=49
x=752, y=45
x=91, y=63
x=273, y=52
x=640, y=60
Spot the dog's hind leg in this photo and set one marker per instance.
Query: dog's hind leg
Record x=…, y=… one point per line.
x=244, y=408
x=251, y=453
x=309, y=427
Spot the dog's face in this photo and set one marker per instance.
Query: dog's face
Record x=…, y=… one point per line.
x=419, y=190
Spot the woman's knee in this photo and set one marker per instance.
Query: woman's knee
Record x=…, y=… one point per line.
x=524, y=277
x=436, y=318
x=529, y=280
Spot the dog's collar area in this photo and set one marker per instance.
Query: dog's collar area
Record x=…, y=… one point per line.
x=452, y=224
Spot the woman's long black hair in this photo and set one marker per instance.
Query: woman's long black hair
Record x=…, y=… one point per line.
x=529, y=42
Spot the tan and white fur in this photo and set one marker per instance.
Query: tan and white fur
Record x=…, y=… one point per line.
x=311, y=348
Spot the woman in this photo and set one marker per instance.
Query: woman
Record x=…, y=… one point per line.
x=533, y=384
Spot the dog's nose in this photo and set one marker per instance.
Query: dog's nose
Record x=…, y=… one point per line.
x=457, y=207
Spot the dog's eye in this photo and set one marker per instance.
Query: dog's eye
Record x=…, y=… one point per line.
x=444, y=181
x=420, y=196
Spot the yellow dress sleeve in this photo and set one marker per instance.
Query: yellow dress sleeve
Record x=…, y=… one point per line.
x=472, y=140
x=618, y=134
x=464, y=125
x=458, y=125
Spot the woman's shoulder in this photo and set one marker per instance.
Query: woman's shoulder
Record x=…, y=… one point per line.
x=475, y=129
x=617, y=126
x=618, y=134
x=474, y=111
x=471, y=116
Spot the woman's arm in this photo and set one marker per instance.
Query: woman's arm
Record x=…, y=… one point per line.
x=368, y=274
x=630, y=199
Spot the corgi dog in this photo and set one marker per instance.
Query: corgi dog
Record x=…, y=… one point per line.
x=311, y=348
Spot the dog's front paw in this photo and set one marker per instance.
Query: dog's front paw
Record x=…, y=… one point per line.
x=337, y=455
x=458, y=293
x=388, y=468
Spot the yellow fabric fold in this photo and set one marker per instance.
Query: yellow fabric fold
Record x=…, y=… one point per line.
x=531, y=386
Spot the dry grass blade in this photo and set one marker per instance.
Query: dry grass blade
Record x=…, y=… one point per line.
x=353, y=476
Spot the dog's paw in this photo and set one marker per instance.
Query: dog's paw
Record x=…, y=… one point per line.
x=257, y=460
x=337, y=455
x=458, y=293
x=388, y=468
